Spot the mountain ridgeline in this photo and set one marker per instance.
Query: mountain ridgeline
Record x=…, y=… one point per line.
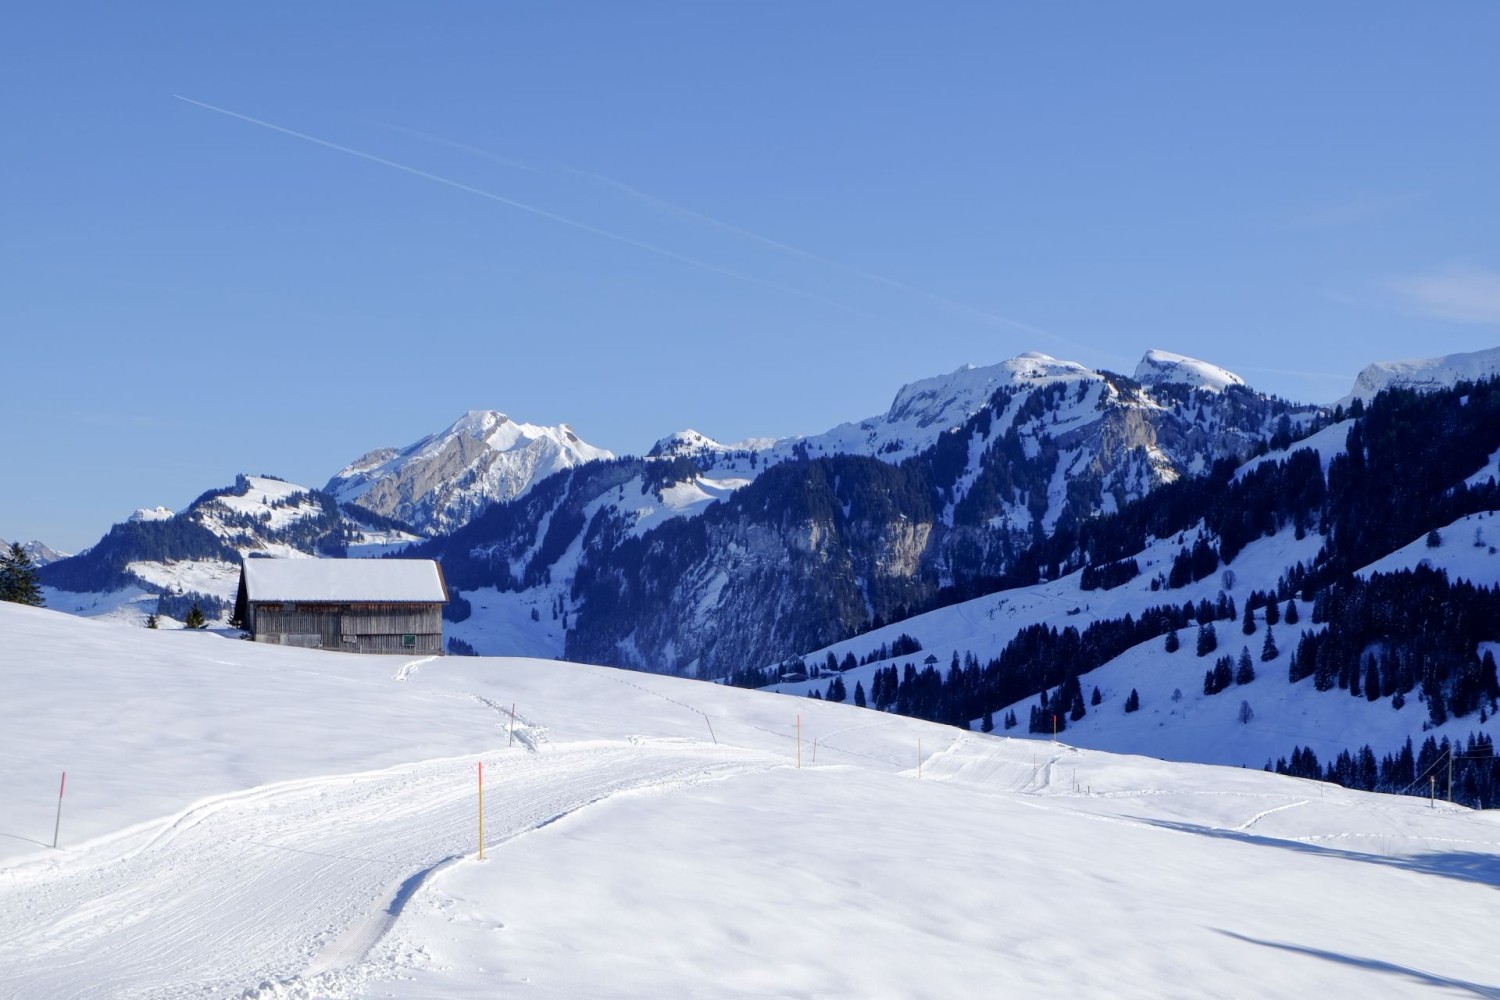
x=816, y=546
x=1055, y=528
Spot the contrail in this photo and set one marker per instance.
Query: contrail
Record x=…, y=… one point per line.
x=729, y=227
x=534, y=210
x=504, y=161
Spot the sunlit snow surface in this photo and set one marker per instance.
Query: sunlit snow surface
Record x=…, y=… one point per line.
x=251, y=821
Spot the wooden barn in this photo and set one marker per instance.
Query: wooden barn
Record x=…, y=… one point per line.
x=352, y=605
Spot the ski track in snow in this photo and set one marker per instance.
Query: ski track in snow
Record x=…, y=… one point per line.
x=281, y=891
x=1264, y=813
x=407, y=669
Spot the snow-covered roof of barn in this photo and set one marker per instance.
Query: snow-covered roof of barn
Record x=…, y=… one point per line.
x=352, y=580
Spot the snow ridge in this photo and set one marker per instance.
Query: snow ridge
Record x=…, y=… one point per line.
x=1424, y=374
x=444, y=480
x=1166, y=368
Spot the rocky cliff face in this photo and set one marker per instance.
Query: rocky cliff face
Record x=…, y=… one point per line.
x=444, y=480
x=818, y=547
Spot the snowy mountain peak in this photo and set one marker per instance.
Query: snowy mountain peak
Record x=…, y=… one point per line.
x=1166, y=368
x=445, y=479
x=1425, y=374
x=40, y=553
x=479, y=423
x=685, y=442
x=152, y=514
x=952, y=398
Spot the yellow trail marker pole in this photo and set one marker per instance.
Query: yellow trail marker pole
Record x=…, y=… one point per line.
x=799, y=739
x=481, y=810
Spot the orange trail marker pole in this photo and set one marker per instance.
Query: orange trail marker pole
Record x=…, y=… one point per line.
x=481, y=810
x=512, y=741
x=58, y=825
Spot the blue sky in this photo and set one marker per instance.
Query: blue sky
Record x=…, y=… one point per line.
x=746, y=218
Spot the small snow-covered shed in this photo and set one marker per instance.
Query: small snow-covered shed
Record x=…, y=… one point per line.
x=353, y=605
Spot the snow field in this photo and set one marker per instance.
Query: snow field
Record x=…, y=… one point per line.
x=255, y=822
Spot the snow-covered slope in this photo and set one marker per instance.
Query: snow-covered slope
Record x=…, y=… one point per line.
x=445, y=479
x=1424, y=374
x=923, y=410
x=257, y=822
x=1166, y=368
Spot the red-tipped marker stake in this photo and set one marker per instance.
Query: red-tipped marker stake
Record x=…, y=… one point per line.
x=58, y=825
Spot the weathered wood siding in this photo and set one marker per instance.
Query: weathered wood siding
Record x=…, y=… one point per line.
x=352, y=628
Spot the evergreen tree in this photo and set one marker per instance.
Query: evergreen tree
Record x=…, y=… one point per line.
x=151, y=621
x=1246, y=672
x=18, y=582
x=987, y=724
x=1248, y=625
x=1268, y=650
x=1096, y=698
x=1223, y=674
x=1291, y=615
x=195, y=618
x=859, y=695
x=1173, y=643
x=836, y=690
x=1208, y=640
x=1133, y=702
x=1273, y=613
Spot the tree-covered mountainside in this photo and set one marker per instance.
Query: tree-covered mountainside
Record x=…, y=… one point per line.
x=1414, y=639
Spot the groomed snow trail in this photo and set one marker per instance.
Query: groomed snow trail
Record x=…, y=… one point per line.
x=281, y=891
